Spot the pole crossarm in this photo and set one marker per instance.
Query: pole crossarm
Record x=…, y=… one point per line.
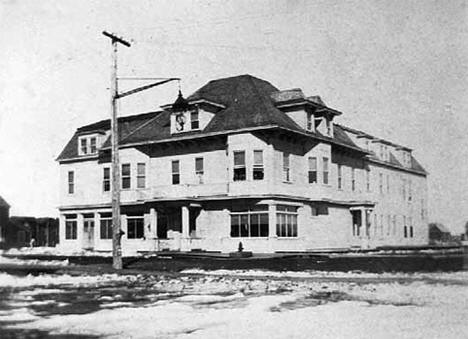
x=139, y=89
x=116, y=38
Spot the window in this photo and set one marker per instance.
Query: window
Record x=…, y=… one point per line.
x=381, y=225
x=84, y=146
x=126, y=178
x=368, y=180
x=388, y=183
x=135, y=227
x=309, y=121
x=106, y=225
x=87, y=145
x=239, y=166
x=199, y=169
x=353, y=179
x=325, y=171
x=258, y=165
x=312, y=170
x=286, y=168
x=409, y=190
x=71, y=182
x=405, y=229
x=394, y=225
x=106, y=179
x=92, y=145
x=340, y=177
x=194, y=122
x=141, y=175
x=250, y=223
x=389, y=224
x=175, y=172
x=403, y=188
x=381, y=183
x=70, y=226
x=286, y=221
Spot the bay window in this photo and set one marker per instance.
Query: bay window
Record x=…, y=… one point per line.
x=251, y=223
x=286, y=221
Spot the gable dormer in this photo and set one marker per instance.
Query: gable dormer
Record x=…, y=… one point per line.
x=310, y=113
x=90, y=143
x=403, y=155
x=191, y=116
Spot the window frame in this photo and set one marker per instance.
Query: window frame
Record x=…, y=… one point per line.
x=71, y=182
x=126, y=178
x=258, y=170
x=194, y=123
x=240, y=169
x=313, y=170
x=175, y=172
x=133, y=235
x=71, y=227
x=248, y=216
x=106, y=180
x=286, y=167
x=325, y=170
x=106, y=228
x=287, y=221
x=199, y=173
x=141, y=175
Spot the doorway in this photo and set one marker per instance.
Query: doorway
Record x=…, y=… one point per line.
x=88, y=233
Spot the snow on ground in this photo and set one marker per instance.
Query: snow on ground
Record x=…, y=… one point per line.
x=216, y=305
x=32, y=262
x=460, y=275
x=54, y=251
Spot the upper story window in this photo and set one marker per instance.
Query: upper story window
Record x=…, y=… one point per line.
x=312, y=170
x=368, y=180
x=239, y=166
x=353, y=179
x=71, y=182
x=106, y=182
x=310, y=121
x=194, y=122
x=340, y=177
x=87, y=145
x=175, y=172
x=141, y=175
x=199, y=169
x=381, y=183
x=325, y=171
x=286, y=168
x=126, y=176
x=258, y=165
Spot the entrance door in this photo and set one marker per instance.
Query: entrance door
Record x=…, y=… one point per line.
x=88, y=233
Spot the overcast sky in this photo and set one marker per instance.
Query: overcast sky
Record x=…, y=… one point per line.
x=396, y=69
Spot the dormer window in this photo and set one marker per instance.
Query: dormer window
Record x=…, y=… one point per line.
x=88, y=145
x=194, y=122
x=310, y=117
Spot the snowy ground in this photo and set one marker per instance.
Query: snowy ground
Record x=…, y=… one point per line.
x=236, y=304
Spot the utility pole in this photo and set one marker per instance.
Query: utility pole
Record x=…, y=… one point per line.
x=116, y=229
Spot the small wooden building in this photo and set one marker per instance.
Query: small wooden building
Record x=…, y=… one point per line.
x=21, y=230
